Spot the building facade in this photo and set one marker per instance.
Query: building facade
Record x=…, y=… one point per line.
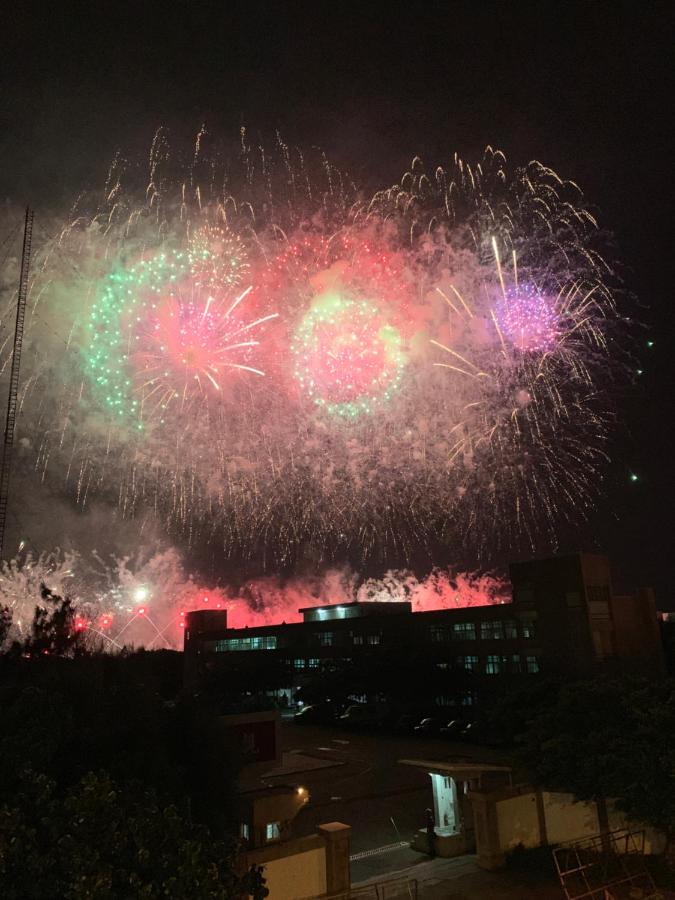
x=563, y=621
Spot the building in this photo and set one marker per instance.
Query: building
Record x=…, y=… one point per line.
x=564, y=620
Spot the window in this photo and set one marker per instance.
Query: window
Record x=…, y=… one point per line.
x=264, y=642
x=514, y=663
x=495, y=665
x=598, y=593
x=528, y=628
x=464, y=631
x=493, y=630
x=467, y=698
x=298, y=663
x=510, y=630
x=470, y=663
x=326, y=638
x=373, y=639
x=357, y=639
x=531, y=664
x=244, y=831
x=314, y=663
x=438, y=634
x=272, y=831
x=598, y=609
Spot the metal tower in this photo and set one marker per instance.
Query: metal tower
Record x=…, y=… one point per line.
x=6, y=467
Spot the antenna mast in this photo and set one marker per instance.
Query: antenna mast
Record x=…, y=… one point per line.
x=12, y=400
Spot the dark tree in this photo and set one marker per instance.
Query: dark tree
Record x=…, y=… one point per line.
x=106, y=841
x=54, y=630
x=606, y=739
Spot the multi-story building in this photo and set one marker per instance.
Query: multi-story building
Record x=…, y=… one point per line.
x=564, y=620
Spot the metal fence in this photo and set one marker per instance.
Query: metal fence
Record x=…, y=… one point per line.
x=605, y=866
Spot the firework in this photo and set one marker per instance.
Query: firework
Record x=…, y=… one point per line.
x=348, y=359
x=218, y=258
x=160, y=338
x=436, y=357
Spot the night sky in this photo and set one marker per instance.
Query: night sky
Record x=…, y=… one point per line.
x=585, y=87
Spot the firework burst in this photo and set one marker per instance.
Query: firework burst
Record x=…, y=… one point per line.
x=437, y=356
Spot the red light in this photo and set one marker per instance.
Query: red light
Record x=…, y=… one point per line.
x=182, y=624
x=141, y=611
x=206, y=599
x=182, y=615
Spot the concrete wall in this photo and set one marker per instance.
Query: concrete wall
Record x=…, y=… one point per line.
x=305, y=867
x=301, y=875
x=508, y=818
x=518, y=822
x=567, y=820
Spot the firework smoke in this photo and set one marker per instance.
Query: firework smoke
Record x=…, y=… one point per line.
x=277, y=367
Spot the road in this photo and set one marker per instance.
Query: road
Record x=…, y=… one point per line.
x=362, y=784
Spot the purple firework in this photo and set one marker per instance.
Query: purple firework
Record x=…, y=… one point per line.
x=528, y=318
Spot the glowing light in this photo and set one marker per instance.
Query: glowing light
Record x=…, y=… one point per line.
x=348, y=359
x=528, y=318
x=634, y=477
x=141, y=594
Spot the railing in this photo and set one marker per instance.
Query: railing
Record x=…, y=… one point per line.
x=401, y=889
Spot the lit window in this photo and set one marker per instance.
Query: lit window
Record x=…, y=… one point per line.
x=464, y=631
x=528, y=628
x=244, y=831
x=493, y=630
x=373, y=638
x=314, y=663
x=272, y=831
x=298, y=663
x=470, y=663
x=326, y=638
x=264, y=642
x=494, y=665
x=468, y=698
x=532, y=664
x=357, y=639
x=514, y=663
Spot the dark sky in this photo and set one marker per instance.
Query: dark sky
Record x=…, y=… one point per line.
x=586, y=87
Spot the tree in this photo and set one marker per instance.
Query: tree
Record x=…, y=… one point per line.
x=610, y=738
x=5, y=623
x=55, y=629
x=106, y=840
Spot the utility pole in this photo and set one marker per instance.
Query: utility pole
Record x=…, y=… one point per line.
x=12, y=400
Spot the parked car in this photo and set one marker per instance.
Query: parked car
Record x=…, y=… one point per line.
x=472, y=732
x=317, y=713
x=453, y=729
x=429, y=725
x=405, y=723
x=365, y=715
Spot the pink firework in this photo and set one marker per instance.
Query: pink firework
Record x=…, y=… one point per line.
x=187, y=343
x=528, y=318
